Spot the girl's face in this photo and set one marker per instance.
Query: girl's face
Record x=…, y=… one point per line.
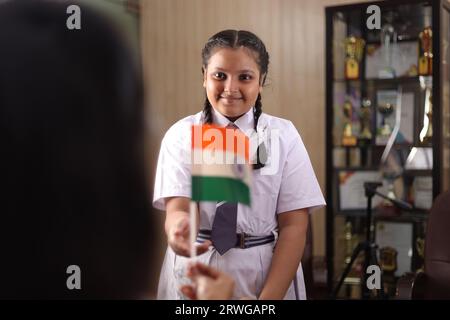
x=232, y=81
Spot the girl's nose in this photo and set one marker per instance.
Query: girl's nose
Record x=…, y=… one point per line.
x=231, y=85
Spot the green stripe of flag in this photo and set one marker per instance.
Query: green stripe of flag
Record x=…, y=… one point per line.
x=220, y=189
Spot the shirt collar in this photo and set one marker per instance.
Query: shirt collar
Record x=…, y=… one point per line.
x=244, y=123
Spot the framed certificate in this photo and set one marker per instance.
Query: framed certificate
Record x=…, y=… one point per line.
x=397, y=236
x=350, y=189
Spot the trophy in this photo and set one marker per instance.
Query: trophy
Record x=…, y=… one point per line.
x=366, y=117
x=420, y=246
x=388, y=39
x=354, y=48
x=386, y=109
x=391, y=163
x=426, y=134
x=426, y=49
x=352, y=280
x=388, y=260
x=388, y=263
x=348, y=242
x=348, y=139
x=351, y=241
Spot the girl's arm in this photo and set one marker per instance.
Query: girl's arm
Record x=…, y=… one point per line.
x=287, y=255
x=177, y=226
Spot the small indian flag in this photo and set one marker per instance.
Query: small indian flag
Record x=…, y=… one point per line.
x=221, y=168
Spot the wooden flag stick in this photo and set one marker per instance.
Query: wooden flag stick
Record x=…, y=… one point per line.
x=193, y=228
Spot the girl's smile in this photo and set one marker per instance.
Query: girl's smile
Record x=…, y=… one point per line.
x=229, y=100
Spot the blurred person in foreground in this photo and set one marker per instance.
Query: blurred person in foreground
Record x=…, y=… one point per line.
x=73, y=173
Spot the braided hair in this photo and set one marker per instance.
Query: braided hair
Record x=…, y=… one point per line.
x=235, y=39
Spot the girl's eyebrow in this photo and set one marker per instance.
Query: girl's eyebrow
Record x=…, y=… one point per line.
x=239, y=71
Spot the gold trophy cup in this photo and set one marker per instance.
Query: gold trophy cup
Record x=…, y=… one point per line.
x=420, y=246
x=386, y=109
x=365, y=116
x=426, y=54
x=354, y=48
x=348, y=138
x=388, y=263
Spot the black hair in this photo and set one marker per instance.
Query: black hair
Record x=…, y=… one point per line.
x=235, y=39
x=72, y=166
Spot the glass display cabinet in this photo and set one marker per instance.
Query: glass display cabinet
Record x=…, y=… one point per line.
x=388, y=121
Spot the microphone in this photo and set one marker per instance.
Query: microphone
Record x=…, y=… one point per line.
x=402, y=204
x=371, y=187
x=398, y=203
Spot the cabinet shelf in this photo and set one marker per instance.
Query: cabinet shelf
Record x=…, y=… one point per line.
x=375, y=146
x=406, y=38
x=404, y=215
x=377, y=81
x=418, y=173
x=351, y=107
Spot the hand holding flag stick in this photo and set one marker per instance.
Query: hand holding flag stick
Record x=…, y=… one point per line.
x=179, y=237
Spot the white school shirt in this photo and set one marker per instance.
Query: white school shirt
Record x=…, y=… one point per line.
x=288, y=183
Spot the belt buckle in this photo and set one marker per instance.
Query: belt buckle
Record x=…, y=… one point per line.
x=242, y=240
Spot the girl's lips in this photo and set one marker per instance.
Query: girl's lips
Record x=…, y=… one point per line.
x=228, y=100
x=230, y=97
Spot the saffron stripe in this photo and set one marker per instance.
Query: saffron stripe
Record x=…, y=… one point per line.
x=214, y=138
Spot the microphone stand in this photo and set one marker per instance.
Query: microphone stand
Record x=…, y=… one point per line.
x=368, y=246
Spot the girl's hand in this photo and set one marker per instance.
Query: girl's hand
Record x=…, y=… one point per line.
x=178, y=239
x=208, y=283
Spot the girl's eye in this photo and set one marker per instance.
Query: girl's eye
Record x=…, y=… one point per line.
x=245, y=77
x=219, y=75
